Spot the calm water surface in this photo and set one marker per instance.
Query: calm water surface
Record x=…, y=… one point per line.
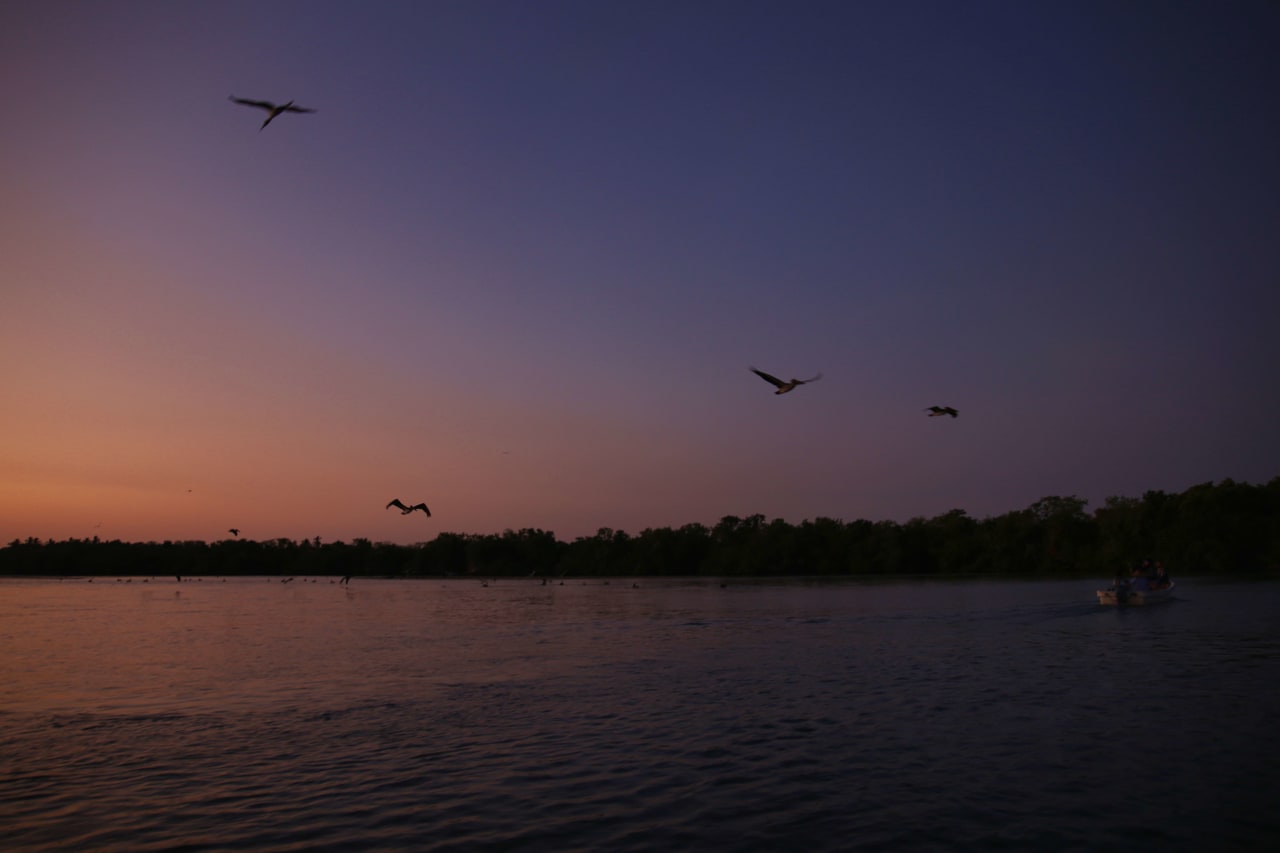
x=429, y=715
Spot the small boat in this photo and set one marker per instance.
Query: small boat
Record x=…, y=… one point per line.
x=1126, y=595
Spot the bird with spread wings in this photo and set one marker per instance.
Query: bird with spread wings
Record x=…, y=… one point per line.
x=938, y=411
x=783, y=387
x=273, y=109
x=405, y=510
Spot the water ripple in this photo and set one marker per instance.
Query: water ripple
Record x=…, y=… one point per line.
x=822, y=723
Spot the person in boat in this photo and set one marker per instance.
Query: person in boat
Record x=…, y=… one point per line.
x=1161, y=580
x=1138, y=580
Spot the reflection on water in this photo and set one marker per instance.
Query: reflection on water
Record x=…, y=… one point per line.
x=433, y=715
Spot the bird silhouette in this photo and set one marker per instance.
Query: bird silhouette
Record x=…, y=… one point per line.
x=234, y=531
x=405, y=510
x=937, y=411
x=271, y=108
x=783, y=387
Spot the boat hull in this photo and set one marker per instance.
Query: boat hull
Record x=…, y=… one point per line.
x=1135, y=597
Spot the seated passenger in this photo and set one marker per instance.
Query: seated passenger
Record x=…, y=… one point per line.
x=1162, y=577
x=1138, y=579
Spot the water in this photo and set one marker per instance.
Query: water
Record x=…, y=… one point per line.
x=429, y=715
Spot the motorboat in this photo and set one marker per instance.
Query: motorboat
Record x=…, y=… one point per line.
x=1125, y=594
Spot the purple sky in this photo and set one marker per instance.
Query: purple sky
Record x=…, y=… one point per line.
x=519, y=262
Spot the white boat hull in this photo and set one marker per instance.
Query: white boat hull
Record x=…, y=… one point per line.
x=1135, y=597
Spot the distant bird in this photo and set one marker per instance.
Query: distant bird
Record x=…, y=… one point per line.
x=405, y=510
x=783, y=387
x=936, y=411
x=345, y=579
x=273, y=109
x=234, y=531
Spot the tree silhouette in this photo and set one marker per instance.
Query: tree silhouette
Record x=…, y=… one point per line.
x=1223, y=528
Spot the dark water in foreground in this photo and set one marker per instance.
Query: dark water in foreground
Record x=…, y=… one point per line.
x=421, y=715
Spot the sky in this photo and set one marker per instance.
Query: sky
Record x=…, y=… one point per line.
x=518, y=263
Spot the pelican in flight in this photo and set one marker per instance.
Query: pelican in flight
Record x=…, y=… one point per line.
x=783, y=387
x=234, y=531
x=273, y=109
x=937, y=411
x=405, y=510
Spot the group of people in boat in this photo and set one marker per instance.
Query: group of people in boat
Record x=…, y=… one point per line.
x=1145, y=577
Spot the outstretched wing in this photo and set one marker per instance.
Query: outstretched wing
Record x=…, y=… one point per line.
x=396, y=503
x=422, y=507
x=266, y=105
x=772, y=380
x=298, y=110
x=807, y=381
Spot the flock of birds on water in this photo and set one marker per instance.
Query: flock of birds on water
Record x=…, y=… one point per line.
x=346, y=579
x=782, y=386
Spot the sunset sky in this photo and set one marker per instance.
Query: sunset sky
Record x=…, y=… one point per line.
x=518, y=263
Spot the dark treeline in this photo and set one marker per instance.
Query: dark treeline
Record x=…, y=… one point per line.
x=1222, y=528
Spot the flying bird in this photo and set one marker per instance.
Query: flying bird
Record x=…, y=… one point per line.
x=405, y=510
x=783, y=387
x=271, y=108
x=234, y=531
x=936, y=411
